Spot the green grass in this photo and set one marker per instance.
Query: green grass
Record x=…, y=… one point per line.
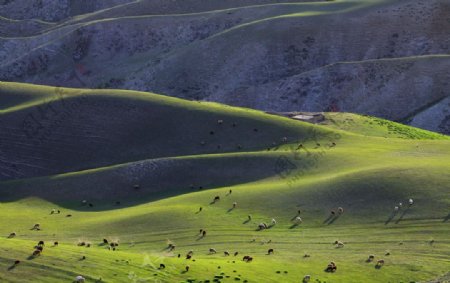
x=375, y=165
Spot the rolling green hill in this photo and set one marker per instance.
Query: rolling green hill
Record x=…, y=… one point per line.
x=97, y=145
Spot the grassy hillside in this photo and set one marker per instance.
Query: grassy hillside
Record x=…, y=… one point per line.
x=362, y=164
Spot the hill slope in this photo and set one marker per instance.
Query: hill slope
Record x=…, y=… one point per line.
x=378, y=57
x=364, y=165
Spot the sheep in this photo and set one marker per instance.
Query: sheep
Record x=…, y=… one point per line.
x=307, y=255
x=298, y=220
x=82, y=244
x=284, y=139
x=79, y=279
x=162, y=266
x=204, y=233
x=230, y=191
x=339, y=244
x=396, y=208
x=262, y=226
x=36, y=253
x=270, y=251
x=306, y=278
x=16, y=262
x=234, y=204
x=220, y=122
x=40, y=248
x=400, y=204
x=191, y=252
x=55, y=243
x=226, y=253
x=410, y=201
x=12, y=235
x=200, y=209
x=340, y=210
x=188, y=256
x=171, y=247
x=249, y=217
x=187, y=268
x=236, y=253
x=53, y=211
x=274, y=221
x=69, y=215
x=136, y=187
x=212, y=251
x=84, y=202
x=179, y=255
x=371, y=258
x=333, y=212
x=331, y=267
x=41, y=243
x=249, y=259
x=245, y=258
x=36, y=226
x=105, y=241
x=380, y=262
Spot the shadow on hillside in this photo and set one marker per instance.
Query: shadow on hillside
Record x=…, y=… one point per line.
x=11, y=267
x=447, y=218
x=331, y=219
x=402, y=215
x=391, y=217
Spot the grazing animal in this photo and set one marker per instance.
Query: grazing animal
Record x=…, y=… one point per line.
x=187, y=268
x=36, y=226
x=339, y=244
x=410, y=201
x=234, y=204
x=249, y=217
x=79, y=279
x=200, y=209
x=220, y=122
x=36, y=253
x=82, y=244
x=105, y=241
x=380, y=262
x=216, y=198
x=12, y=235
x=333, y=212
x=204, y=233
x=387, y=254
x=179, y=255
x=249, y=259
x=340, y=210
x=400, y=204
x=53, y=211
x=212, y=251
x=371, y=258
x=136, y=187
x=236, y=253
x=226, y=253
x=299, y=212
x=298, y=219
x=41, y=243
x=69, y=215
x=262, y=226
x=245, y=258
x=191, y=252
x=307, y=278
x=162, y=266
x=55, y=243
x=188, y=256
x=307, y=255
x=16, y=262
x=40, y=248
x=270, y=251
x=396, y=208
x=331, y=267
x=285, y=139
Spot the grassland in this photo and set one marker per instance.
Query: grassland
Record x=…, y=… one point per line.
x=113, y=140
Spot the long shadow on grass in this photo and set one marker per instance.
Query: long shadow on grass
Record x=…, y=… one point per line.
x=391, y=217
x=447, y=218
x=402, y=215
